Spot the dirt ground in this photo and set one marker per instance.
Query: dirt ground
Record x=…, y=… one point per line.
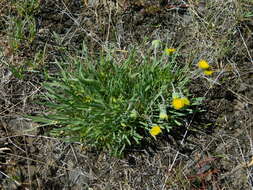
x=213, y=151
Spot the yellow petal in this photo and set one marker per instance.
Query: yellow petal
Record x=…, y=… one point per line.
x=208, y=72
x=155, y=130
x=178, y=103
x=202, y=64
x=169, y=51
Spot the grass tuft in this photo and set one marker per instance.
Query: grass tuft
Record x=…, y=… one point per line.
x=112, y=105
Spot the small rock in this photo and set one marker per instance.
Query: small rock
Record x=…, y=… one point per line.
x=21, y=126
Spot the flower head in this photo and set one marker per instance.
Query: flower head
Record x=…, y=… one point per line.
x=179, y=103
x=203, y=64
x=169, y=51
x=163, y=113
x=208, y=72
x=163, y=116
x=155, y=130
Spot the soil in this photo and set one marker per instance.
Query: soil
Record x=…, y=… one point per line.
x=211, y=152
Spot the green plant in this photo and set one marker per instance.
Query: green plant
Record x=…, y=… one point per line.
x=22, y=26
x=111, y=105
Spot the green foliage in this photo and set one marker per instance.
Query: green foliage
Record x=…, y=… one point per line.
x=22, y=26
x=109, y=104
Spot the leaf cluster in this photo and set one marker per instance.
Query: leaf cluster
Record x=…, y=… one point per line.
x=112, y=105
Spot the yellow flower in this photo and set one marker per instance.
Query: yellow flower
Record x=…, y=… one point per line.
x=169, y=51
x=155, y=130
x=163, y=116
x=208, y=72
x=202, y=64
x=179, y=103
